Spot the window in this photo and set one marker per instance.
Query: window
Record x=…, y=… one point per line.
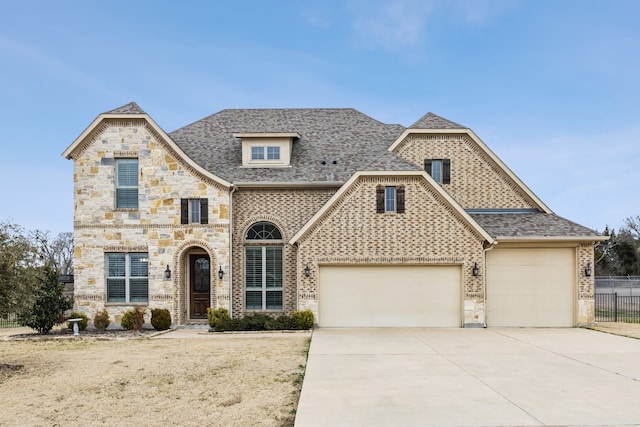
x=263, y=272
x=273, y=153
x=258, y=153
x=127, y=277
x=194, y=211
x=439, y=169
x=390, y=199
x=127, y=183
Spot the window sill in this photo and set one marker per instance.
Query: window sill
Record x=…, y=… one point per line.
x=134, y=304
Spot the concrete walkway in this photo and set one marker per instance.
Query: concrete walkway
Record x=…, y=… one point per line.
x=470, y=377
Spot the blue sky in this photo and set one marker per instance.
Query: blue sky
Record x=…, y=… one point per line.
x=552, y=87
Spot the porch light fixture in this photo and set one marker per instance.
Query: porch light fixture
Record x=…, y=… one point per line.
x=587, y=270
x=307, y=271
x=220, y=273
x=167, y=273
x=475, y=270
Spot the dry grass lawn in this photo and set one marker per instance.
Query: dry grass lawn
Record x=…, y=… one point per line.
x=217, y=381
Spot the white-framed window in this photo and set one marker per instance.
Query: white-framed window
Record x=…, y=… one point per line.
x=257, y=153
x=127, y=277
x=265, y=152
x=390, y=199
x=436, y=170
x=126, y=183
x=194, y=211
x=263, y=268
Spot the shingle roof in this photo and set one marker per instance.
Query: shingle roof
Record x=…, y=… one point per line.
x=130, y=108
x=433, y=121
x=345, y=140
x=530, y=225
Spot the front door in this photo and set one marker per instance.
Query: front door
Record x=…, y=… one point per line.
x=200, y=286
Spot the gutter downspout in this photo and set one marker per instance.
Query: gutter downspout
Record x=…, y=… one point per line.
x=233, y=190
x=484, y=280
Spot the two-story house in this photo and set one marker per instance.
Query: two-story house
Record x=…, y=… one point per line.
x=365, y=223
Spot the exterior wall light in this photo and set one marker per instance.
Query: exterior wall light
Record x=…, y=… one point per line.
x=220, y=273
x=587, y=270
x=167, y=273
x=475, y=270
x=307, y=271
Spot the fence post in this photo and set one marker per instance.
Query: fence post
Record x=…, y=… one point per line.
x=615, y=306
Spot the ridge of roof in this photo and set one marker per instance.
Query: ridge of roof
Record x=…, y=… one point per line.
x=433, y=121
x=130, y=108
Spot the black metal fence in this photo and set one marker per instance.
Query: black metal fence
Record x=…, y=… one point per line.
x=9, y=321
x=618, y=299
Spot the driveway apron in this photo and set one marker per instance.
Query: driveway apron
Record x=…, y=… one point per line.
x=470, y=377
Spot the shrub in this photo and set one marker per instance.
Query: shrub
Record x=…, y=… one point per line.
x=82, y=325
x=101, y=320
x=228, y=324
x=133, y=319
x=216, y=315
x=160, y=319
x=48, y=304
x=281, y=323
x=254, y=322
x=304, y=318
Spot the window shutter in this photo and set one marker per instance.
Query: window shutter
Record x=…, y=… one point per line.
x=204, y=211
x=427, y=166
x=380, y=199
x=446, y=171
x=184, y=211
x=400, y=199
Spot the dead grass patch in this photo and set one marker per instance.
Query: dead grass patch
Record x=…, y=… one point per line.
x=220, y=381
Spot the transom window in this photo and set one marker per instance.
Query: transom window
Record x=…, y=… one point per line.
x=127, y=277
x=127, y=183
x=263, y=268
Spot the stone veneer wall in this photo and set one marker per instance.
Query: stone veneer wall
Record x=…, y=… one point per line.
x=164, y=178
x=476, y=180
x=289, y=210
x=429, y=232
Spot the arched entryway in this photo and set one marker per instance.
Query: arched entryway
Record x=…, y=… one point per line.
x=195, y=284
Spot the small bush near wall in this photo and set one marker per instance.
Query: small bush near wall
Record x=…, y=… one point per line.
x=160, y=319
x=260, y=322
x=101, y=320
x=82, y=325
x=217, y=315
x=133, y=319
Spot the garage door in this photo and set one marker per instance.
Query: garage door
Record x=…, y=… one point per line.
x=389, y=296
x=531, y=287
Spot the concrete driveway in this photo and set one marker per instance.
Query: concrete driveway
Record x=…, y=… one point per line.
x=470, y=377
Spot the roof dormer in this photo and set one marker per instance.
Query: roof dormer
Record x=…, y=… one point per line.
x=267, y=150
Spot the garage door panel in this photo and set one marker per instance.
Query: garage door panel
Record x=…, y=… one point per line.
x=531, y=287
x=389, y=296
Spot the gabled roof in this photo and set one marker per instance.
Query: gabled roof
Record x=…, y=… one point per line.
x=333, y=143
x=528, y=226
x=130, y=108
x=433, y=121
x=447, y=199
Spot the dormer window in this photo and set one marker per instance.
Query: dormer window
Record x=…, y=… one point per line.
x=266, y=150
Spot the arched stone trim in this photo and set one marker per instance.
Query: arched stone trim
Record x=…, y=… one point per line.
x=181, y=280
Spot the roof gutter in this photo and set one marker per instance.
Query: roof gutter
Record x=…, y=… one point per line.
x=542, y=239
x=311, y=184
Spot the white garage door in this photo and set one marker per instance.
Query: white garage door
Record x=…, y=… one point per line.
x=389, y=296
x=531, y=287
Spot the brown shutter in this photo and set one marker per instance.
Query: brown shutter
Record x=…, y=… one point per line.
x=446, y=171
x=380, y=199
x=184, y=211
x=204, y=211
x=400, y=199
x=427, y=165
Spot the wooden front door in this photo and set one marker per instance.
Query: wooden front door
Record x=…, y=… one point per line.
x=199, y=286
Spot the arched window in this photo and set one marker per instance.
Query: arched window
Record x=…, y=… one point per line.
x=263, y=272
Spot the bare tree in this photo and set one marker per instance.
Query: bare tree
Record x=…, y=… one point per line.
x=58, y=251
